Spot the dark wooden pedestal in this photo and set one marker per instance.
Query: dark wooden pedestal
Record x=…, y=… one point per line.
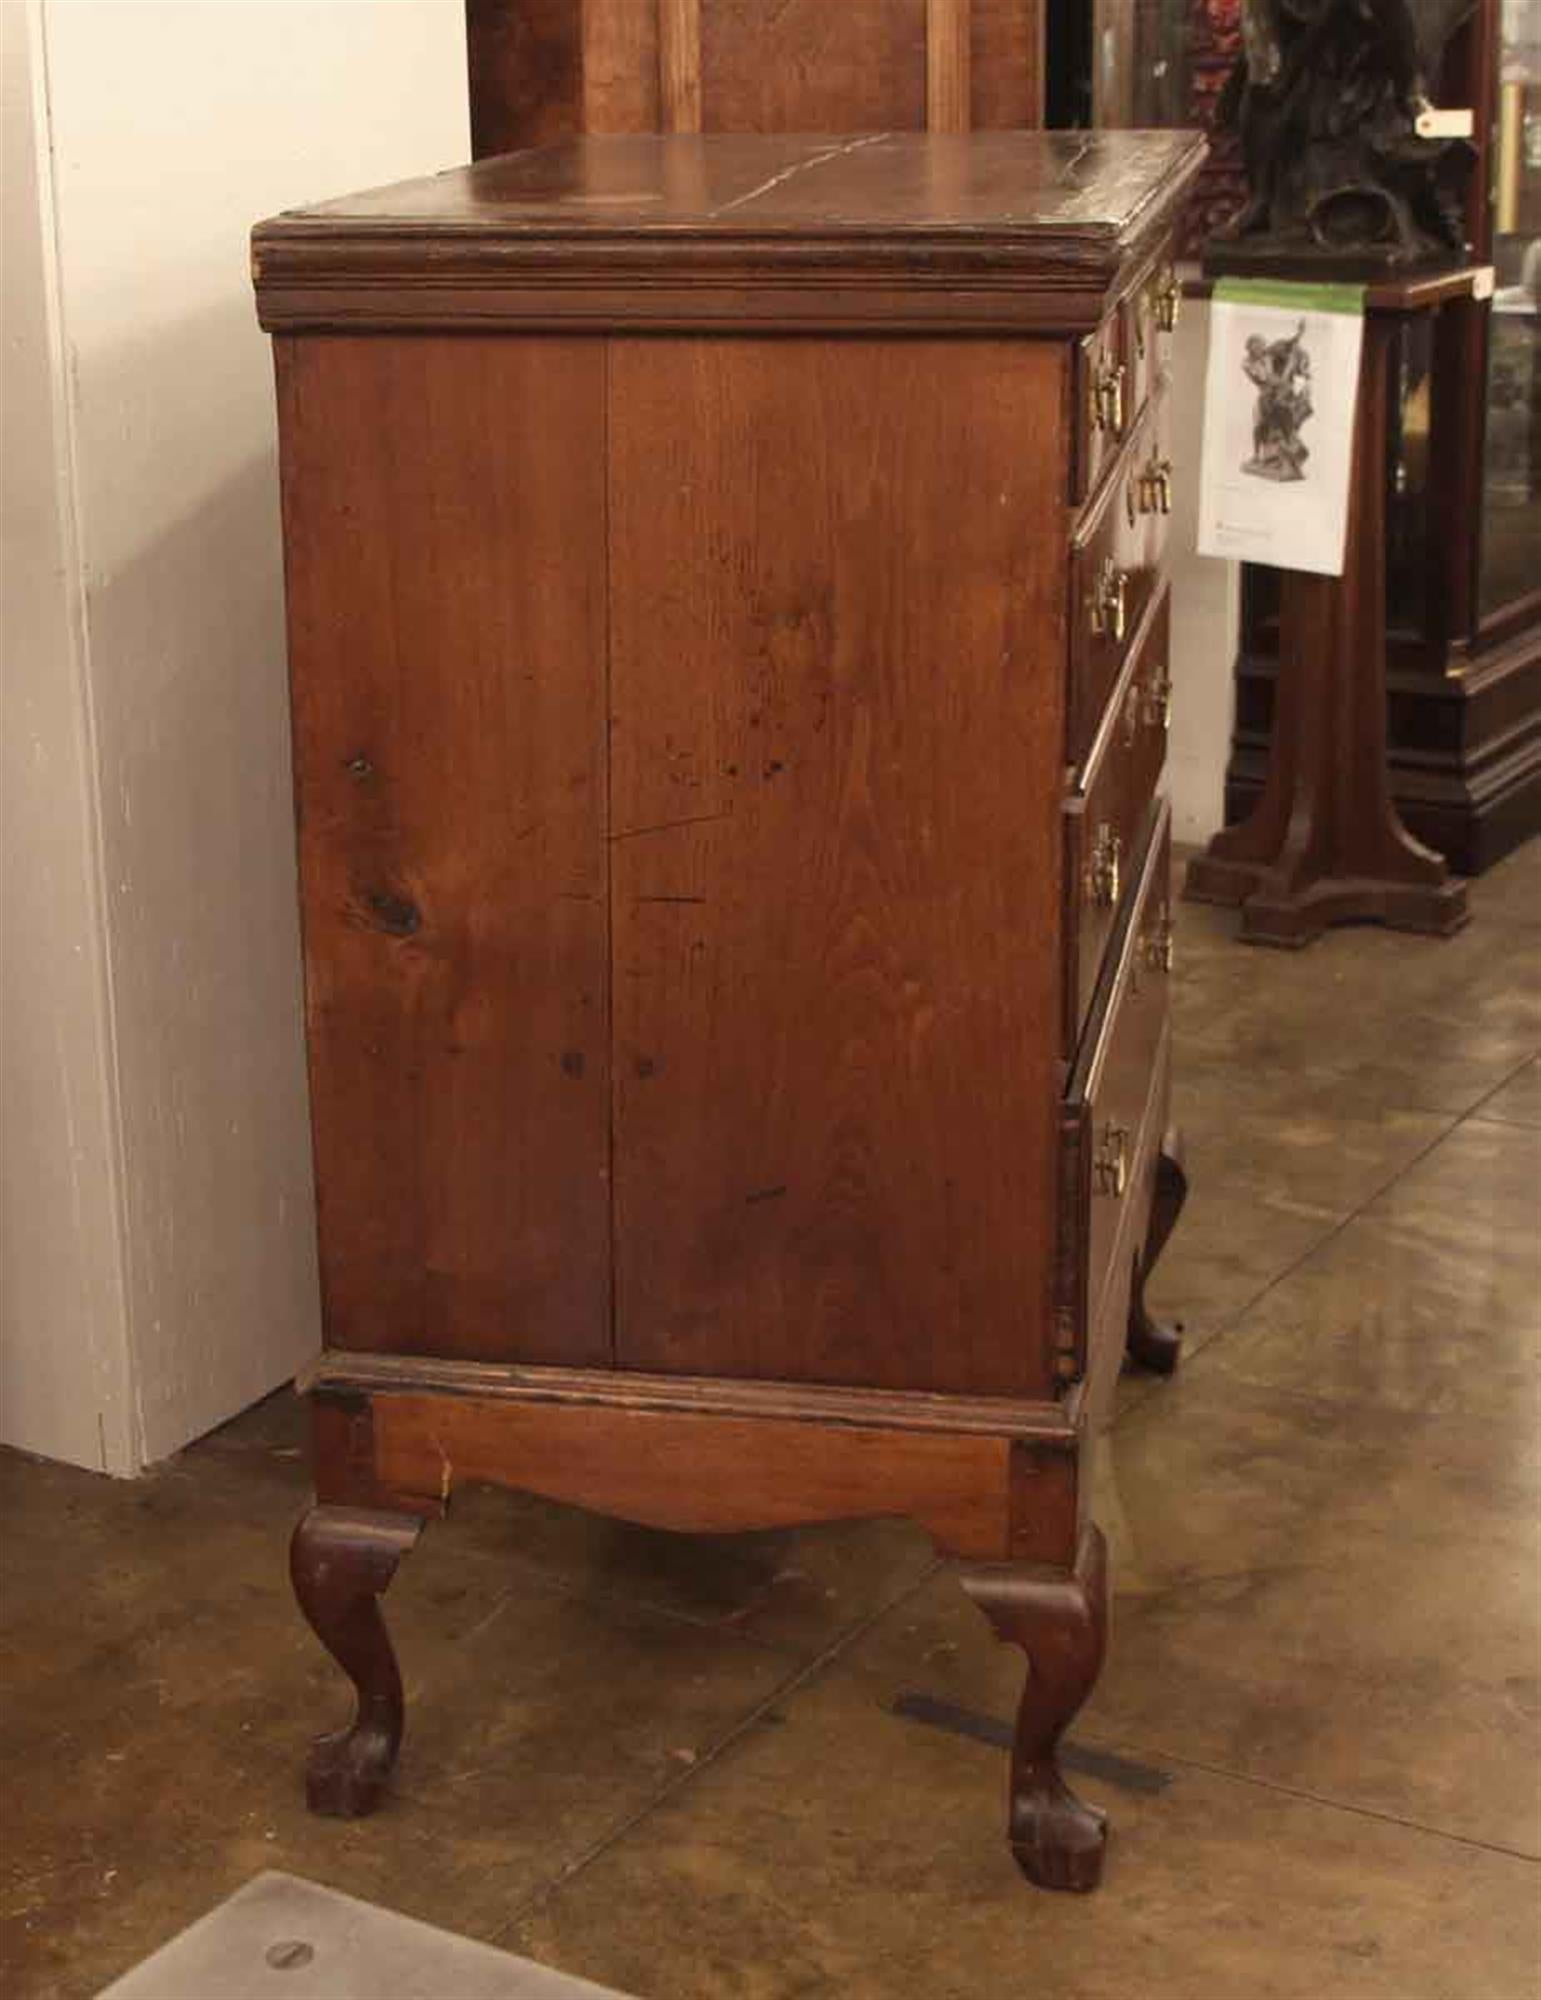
x=1325, y=844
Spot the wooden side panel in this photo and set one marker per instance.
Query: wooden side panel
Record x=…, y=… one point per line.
x=807, y=66
x=443, y=503
x=838, y=586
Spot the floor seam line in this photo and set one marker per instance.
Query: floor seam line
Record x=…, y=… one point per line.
x=790, y=1685
x=1144, y=1753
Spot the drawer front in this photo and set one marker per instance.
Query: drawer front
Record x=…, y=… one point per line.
x=1110, y=809
x=1147, y=486
x=1114, y=568
x=1104, y=410
x=1150, y=312
x=1107, y=1145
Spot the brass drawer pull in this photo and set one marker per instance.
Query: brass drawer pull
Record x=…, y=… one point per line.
x=1158, y=700
x=1107, y=398
x=1155, y=485
x=1166, y=300
x=1111, y=1166
x=1104, y=873
x=1110, y=601
x=1156, y=945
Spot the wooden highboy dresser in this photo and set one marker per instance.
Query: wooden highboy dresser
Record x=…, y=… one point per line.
x=730, y=684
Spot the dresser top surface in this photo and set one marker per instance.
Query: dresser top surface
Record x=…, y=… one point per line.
x=1004, y=230
x=897, y=184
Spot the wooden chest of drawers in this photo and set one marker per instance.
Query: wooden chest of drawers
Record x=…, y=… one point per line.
x=730, y=676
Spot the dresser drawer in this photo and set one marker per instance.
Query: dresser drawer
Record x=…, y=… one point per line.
x=1114, y=566
x=1103, y=404
x=1109, y=809
x=1150, y=317
x=1147, y=486
x=1109, y=1135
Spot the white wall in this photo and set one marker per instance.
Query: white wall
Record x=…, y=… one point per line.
x=162, y=130
x=64, y=1378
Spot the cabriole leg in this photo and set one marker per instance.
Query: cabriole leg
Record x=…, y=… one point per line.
x=1060, y=1622
x=341, y=1561
x=1152, y=1345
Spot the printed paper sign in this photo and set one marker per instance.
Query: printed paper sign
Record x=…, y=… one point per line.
x=1279, y=422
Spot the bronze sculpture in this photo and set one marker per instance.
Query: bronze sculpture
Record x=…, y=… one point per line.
x=1326, y=97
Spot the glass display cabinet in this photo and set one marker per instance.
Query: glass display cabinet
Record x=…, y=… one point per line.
x=1463, y=541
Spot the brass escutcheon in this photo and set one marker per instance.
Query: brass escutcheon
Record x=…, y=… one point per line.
x=1110, y=601
x=1111, y=1165
x=1105, y=869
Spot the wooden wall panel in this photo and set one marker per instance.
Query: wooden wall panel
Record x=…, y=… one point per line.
x=1006, y=70
x=443, y=502
x=807, y=66
x=541, y=69
x=621, y=63
x=525, y=71
x=835, y=856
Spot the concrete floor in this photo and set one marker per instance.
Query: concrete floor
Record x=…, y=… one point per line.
x=674, y=1767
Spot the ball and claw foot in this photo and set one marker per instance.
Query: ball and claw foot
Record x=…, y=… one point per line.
x=1058, y=1840
x=341, y=1560
x=346, y=1770
x=1059, y=1619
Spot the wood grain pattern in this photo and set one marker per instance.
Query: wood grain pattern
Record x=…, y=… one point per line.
x=978, y=1495
x=835, y=857
x=446, y=638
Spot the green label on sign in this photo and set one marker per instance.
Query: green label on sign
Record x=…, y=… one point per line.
x=1293, y=298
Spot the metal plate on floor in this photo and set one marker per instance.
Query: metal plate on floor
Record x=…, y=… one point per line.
x=281, y=1938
